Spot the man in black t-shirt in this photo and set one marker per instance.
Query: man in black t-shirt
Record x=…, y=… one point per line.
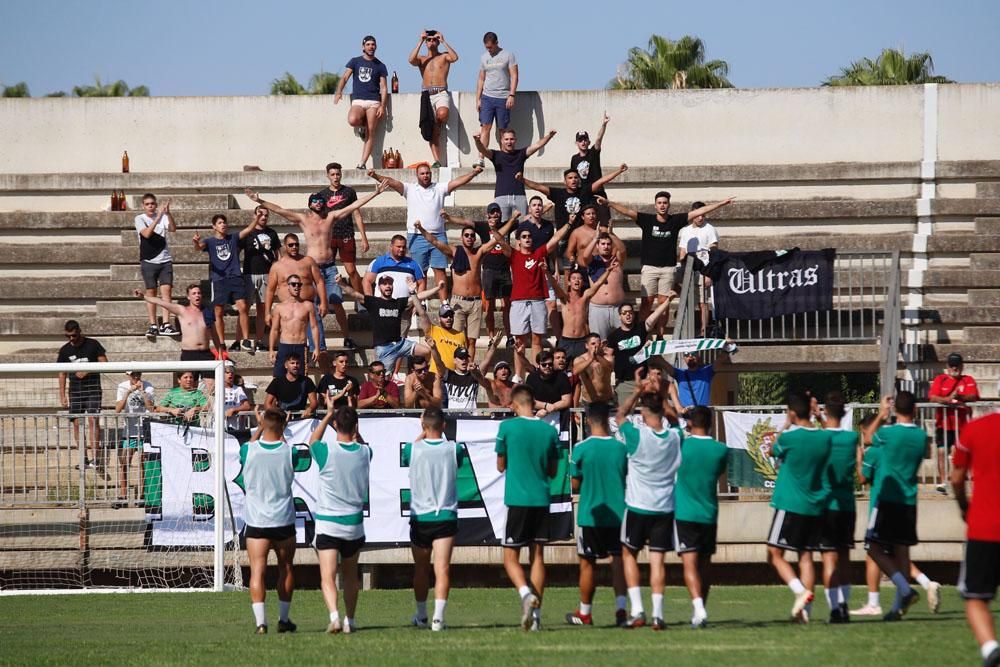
x=337, y=389
x=571, y=199
x=626, y=341
x=587, y=162
x=508, y=161
x=292, y=392
x=260, y=244
x=552, y=389
x=336, y=197
x=84, y=395
x=658, y=251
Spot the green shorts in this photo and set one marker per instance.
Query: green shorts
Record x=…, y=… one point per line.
x=131, y=443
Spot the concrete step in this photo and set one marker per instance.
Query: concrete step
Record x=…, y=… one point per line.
x=955, y=314
x=988, y=190
x=984, y=297
x=961, y=278
x=191, y=202
x=984, y=261
x=963, y=242
x=981, y=334
x=988, y=226
x=37, y=290
x=971, y=352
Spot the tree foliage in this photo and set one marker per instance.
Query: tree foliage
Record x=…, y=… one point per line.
x=773, y=388
x=19, y=89
x=891, y=68
x=671, y=64
x=111, y=89
x=321, y=83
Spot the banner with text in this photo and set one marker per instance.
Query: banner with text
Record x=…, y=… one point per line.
x=180, y=498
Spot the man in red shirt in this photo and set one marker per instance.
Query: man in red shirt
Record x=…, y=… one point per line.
x=529, y=276
x=979, y=449
x=952, y=388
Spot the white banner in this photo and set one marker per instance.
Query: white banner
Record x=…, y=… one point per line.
x=184, y=515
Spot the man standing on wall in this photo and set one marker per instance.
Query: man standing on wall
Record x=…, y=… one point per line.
x=370, y=94
x=435, y=102
x=495, y=89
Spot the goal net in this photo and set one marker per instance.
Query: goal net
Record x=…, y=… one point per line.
x=112, y=477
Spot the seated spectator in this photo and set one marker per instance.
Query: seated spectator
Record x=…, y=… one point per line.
x=184, y=402
x=338, y=388
x=446, y=338
x=292, y=392
x=378, y=393
x=422, y=388
x=551, y=388
x=134, y=397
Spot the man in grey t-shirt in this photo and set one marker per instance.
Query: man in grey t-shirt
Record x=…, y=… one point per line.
x=496, y=88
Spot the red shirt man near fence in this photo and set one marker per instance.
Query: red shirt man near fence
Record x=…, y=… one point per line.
x=979, y=451
x=953, y=388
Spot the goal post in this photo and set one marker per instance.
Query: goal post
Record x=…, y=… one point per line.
x=45, y=473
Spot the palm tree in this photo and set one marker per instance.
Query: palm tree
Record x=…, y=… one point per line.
x=891, y=68
x=116, y=89
x=17, y=90
x=321, y=83
x=669, y=64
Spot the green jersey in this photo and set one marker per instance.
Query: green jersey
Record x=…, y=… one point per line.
x=869, y=464
x=903, y=447
x=702, y=461
x=804, y=453
x=600, y=464
x=529, y=445
x=180, y=398
x=839, y=478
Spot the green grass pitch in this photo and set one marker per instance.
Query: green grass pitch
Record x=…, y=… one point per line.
x=748, y=627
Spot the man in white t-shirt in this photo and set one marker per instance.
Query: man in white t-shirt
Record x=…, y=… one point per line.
x=155, y=262
x=134, y=397
x=697, y=239
x=424, y=201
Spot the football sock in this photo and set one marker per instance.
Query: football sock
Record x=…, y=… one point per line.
x=831, y=601
x=259, y=613
x=698, y=604
x=585, y=609
x=845, y=594
x=874, y=599
x=808, y=608
x=657, y=605
x=439, y=606
x=422, y=609
x=796, y=586
x=524, y=591
x=621, y=601
x=924, y=581
x=283, y=610
x=902, y=590
x=334, y=616
x=635, y=597
x=988, y=647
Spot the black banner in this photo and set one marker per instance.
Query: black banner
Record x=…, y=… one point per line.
x=761, y=285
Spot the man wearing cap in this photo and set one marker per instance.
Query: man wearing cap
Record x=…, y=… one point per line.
x=502, y=385
x=447, y=339
x=462, y=382
x=508, y=161
x=587, y=161
x=954, y=389
x=694, y=383
x=424, y=201
x=658, y=250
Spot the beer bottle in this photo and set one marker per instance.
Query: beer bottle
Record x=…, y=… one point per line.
x=125, y=162
x=395, y=83
x=122, y=206
x=114, y=200
x=399, y=160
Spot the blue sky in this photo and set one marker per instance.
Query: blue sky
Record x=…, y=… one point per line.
x=226, y=47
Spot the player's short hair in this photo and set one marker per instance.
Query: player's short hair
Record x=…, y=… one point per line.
x=652, y=402
x=533, y=198
x=433, y=418
x=71, y=325
x=273, y=419
x=490, y=37
x=798, y=403
x=580, y=272
x=569, y=171
x=187, y=290
x=258, y=208
x=559, y=350
x=700, y=417
x=217, y=217
x=834, y=405
x=661, y=193
x=466, y=228
x=345, y=420
x=149, y=195
x=522, y=393
x=906, y=404
x=599, y=412
x=397, y=237
x=335, y=165
x=697, y=205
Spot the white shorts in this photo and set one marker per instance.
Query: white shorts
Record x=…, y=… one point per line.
x=366, y=104
x=441, y=100
x=528, y=316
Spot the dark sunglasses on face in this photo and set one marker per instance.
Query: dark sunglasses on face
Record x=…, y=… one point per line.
x=295, y=284
x=380, y=371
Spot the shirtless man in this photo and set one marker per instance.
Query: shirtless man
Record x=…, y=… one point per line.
x=467, y=284
x=576, y=307
x=288, y=331
x=502, y=385
x=594, y=370
x=604, y=305
x=434, y=72
x=422, y=388
x=292, y=263
x=584, y=237
x=317, y=229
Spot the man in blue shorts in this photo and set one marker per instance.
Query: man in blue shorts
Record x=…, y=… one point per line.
x=495, y=89
x=228, y=285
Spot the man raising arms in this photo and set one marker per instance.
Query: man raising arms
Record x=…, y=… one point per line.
x=509, y=192
x=435, y=102
x=369, y=97
x=194, y=330
x=293, y=263
x=575, y=308
x=338, y=196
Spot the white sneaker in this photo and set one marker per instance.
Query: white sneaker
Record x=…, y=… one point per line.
x=334, y=627
x=867, y=610
x=437, y=625
x=934, y=597
x=799, y=608
x=349, y=626
x=699, y=620
x=418, y=622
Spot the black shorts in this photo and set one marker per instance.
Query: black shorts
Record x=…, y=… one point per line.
x=945, y=439
x=593, y=542
x=228, y=290
x=980, y=574
x=347, y=548
x=496, y=283
x=279, y=534
x=197, y=355
x=795, y=532
x=423, y=533
x=155, y=275
x=85, y=402
x=892, y=523
x=574, y=347
x=837, y=530
x=692, y=537
x=526, y=525
x=655, y=529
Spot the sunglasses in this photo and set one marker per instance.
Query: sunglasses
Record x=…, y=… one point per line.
x=291, y=245
x=73, y=336
x=469, y=236
x=378, y=372
x=545, y=364
x=524, y=236
x=295, y=284
x=420, y=370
